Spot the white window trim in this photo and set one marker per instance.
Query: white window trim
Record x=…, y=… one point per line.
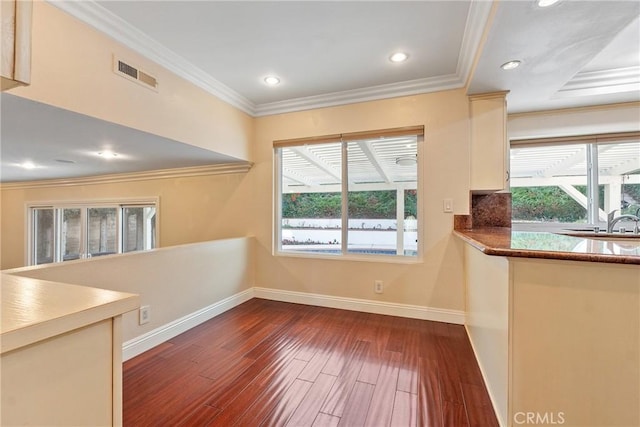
x=393, y=259
x=74, y=203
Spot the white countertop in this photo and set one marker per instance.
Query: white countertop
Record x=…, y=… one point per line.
x=34, y=310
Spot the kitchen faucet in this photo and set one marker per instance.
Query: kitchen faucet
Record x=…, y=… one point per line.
x=613, y=220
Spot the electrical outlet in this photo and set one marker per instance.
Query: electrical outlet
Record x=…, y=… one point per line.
x=378, y=287
x=144, y=315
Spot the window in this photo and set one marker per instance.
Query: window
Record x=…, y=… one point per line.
x=350, y=194
x=75, y=231
x=574, y=181
x=138, y=228
x=42, y=225
x=70, y=238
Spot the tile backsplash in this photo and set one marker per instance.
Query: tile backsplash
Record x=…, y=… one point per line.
x=487, y=210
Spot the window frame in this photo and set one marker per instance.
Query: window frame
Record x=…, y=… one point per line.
x=344, y=139
x=84, y=205
x=122, y=225
x=592, y=143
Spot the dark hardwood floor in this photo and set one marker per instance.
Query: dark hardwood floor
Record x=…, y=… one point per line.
x=267, y=363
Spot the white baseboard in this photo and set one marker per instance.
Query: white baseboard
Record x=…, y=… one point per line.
x=367, y=306
x=164, y=333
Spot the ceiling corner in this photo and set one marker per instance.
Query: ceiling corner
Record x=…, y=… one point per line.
x=103, y=20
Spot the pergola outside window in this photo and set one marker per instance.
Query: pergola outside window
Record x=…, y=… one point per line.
x=349, y=194
x=575, y=180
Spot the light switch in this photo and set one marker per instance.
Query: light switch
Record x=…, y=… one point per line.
x=448, y=205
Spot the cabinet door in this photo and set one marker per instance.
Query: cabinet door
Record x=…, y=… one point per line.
x=16, y=42
x=489, y=147
x=66, y=380
x=8, y=37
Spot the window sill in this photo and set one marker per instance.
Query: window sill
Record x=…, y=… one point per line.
x=389, y=259
x=553, y=226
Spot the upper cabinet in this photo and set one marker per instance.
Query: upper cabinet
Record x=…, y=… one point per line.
x=489, y=147
x=16, y=43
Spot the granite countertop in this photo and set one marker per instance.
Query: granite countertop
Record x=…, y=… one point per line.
x=506, y=242
x=34, y=310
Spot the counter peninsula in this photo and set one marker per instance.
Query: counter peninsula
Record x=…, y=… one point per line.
x=554, y=321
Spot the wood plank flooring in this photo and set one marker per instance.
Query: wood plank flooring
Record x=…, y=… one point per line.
x=267, y=363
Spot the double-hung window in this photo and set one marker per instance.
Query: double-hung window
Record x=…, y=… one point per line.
x=73, y=231
x=354, y=194
x=574, y=181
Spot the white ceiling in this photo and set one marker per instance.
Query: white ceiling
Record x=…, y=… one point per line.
x=315, y=47
x=336, y=52
x=575, y=53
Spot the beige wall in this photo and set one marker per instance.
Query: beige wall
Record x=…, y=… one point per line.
x=576, y=341
x=72, y=69
x=174, y=282
x=197, y=209
x=487, y=322
x=575, y=121
x=553, y=337
x=192, y=209
x=437, y=281
x=205, y=208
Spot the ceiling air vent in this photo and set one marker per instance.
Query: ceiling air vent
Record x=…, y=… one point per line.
x=133, y=73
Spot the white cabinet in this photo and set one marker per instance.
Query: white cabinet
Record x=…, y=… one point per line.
x=69, y=379
x=16, y=43
x=61, y=353
x=489, y=168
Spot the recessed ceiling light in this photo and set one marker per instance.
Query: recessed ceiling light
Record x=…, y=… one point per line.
x=547, y=3
x=272, y=80
x=108, y=154
x=28, y=165
x=511, y=65
x=399, y=57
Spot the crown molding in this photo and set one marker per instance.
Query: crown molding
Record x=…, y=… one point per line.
x=615, y=80
x=103, y=20
x=392, y=90
x=620, y=106
x=219, y=169
x=477, y=18
x=91, y=13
